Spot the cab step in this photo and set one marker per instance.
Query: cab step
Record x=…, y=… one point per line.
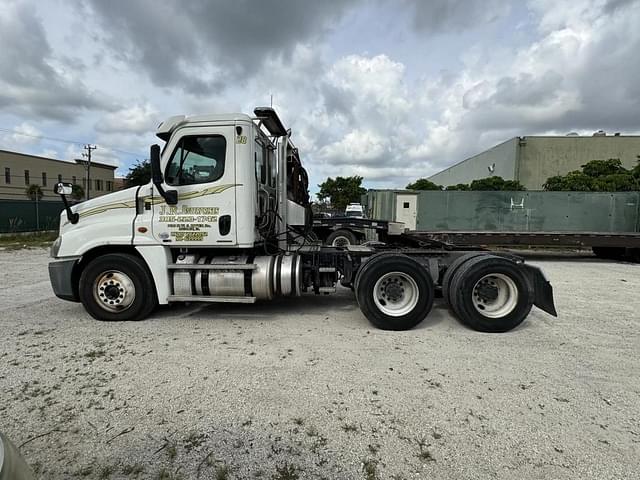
x=210, y=299
x=215, y=266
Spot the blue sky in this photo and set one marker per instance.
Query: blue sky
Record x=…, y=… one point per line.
x=390, y=90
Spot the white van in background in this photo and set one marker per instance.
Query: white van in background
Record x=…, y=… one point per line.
x=354, y=210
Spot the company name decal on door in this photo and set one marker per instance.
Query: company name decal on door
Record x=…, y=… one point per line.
x=188, y=223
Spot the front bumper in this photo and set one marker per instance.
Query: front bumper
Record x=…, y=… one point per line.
x=61, y=276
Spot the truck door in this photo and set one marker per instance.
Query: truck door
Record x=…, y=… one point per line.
x=200, y=165
x=406, y=210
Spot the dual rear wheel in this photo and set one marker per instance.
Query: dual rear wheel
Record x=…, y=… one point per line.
x=486, y=292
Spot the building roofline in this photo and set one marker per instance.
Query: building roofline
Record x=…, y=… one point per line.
x=80, y=162
x=67, y=162
x=474, y=156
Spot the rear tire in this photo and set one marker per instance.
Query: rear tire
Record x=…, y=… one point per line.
x=491, y=294
x=117, y=286
x=341, y=238
x=363, y=268
x=453, y=268
x=395, y=292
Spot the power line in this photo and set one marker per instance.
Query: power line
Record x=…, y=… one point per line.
x=89, y=148
x=71, y=142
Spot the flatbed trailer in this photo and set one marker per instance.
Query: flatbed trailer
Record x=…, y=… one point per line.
x=603, y=244
x=343, y=231
x=568, y=239
x=348, y=231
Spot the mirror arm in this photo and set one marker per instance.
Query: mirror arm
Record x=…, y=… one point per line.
x=71, y=216
x=59, y=189
x=170, y=196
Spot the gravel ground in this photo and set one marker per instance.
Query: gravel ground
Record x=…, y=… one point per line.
x=306, y=388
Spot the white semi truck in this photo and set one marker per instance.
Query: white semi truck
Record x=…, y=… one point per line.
x=226, y=218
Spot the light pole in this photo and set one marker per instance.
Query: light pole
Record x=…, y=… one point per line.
x=89, y=148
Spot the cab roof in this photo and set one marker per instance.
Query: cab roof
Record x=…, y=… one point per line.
x=166, y=128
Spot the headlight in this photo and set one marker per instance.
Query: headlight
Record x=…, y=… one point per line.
x=55, y=248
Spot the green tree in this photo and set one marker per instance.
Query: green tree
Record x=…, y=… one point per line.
x=496, y=184
x=635, y=171
x=423, y=184
x=597, y=176
x=341, y=191
x=616, y=182
x=459, y=186
x=600, y=168
x=34, y=192
x=77, y=192
x=139, y=174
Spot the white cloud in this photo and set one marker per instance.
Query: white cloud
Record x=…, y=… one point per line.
x=137, y=119
x=357, y=147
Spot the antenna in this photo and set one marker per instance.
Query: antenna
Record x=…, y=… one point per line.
x=271, y=95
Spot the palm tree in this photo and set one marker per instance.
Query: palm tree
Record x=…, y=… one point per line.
x=34, y=192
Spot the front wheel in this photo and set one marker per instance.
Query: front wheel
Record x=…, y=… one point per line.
x=395, y=292
x=491, y=294
x=117, y=286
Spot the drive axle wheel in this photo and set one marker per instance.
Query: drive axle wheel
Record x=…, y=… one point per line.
x=117, y=286
x=453, y=268
x=341, y=238
x=395, y=292
x=491, y=294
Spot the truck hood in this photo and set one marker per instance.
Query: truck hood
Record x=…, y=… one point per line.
x=122, y=199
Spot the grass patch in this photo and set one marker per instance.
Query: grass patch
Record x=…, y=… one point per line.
x=286, y=471
x=84, y=471
x=105, y=472
x=93, y=354
x=135, y=469
x=165, y=474
x=349, y=427
x=31, y=240
x=370, y=469
x=223, y=472
x=172, y=451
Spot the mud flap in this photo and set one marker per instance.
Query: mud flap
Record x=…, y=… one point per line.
x=542, y=290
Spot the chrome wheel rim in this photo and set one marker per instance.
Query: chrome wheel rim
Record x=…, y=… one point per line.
x=495, y=295
x=396, y=294
x=114, y=291
x=340, y=241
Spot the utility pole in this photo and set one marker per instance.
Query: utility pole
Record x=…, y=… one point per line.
x=89, y=148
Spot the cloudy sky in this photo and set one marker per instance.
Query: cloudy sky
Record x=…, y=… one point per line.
x=391, y=90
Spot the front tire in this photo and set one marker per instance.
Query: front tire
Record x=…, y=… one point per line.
x=491, y=294
x=395, y=292
x=117, y=286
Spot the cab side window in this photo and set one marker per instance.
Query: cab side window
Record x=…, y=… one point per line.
x=261, y=163
x=197, y=159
